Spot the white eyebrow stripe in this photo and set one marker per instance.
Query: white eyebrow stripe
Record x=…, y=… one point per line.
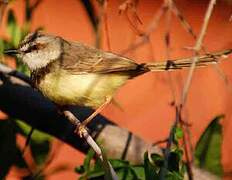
x=24, y=47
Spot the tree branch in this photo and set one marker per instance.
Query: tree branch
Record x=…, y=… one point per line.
x=20, y=101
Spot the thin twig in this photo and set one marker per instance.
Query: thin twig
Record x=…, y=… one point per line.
x=163, y=170
x=197, y=48
x=152, y=26
x=130, y=7
x=186, y=140
x=186, y=130
x=169, y=3
x=171, y=7
x=69, y=115
x=28, y=140
x=189, y=29
x=160, y=142
x=106, y=24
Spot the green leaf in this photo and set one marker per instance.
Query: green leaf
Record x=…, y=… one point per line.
x=127, y=174
x=174, y=176
x=109, y=172
x=149, y=168
x=80, y=169
x=22, y=67
x=158, y=160
x=2, y=47
x=90, y=170
x=98, y=174
x=87, y=161
x=173, y=162
x=118, y=163
x=178, y=133
x=208, y=148
x=11, y=20
x=40, y=150
x=139, y=171
x=13, y=29
x=98, y=165
x=37, y=135
x=39, y=143
x=17, y=36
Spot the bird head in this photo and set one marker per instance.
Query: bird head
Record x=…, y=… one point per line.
x=37, y=50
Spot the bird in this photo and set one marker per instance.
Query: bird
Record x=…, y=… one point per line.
x=72, y=73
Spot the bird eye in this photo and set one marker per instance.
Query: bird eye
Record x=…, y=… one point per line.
x=34, y=47
x=31, y=48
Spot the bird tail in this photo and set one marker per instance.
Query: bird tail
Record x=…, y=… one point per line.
x=202, y=61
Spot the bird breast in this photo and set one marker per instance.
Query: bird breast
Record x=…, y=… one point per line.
x=90, y=90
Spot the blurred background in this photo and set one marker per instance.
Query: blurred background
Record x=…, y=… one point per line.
x=147, y=100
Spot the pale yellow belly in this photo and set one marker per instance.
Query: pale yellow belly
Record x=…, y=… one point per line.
x=89, y=90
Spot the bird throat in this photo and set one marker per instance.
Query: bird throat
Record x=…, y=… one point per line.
x=39, y=74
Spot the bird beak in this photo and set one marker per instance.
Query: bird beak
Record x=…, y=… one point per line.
x=11, y=52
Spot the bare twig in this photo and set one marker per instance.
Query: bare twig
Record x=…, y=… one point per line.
x=186, y=130
x=189, y=29
x=197, y=48
x=184, y=23
x=163, y=170
x=85, y=133
x=187, y=149
x=69, y=115
x=145, y=36
x=106, y=24
x=172, y=7
x=28, y=140
x=169, y=4
x=129, y=7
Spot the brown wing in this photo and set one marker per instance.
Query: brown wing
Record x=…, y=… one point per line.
x=80, y=58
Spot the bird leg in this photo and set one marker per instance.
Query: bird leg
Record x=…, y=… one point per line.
x=82, y=127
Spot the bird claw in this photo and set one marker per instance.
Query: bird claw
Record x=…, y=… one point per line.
x=81, y=130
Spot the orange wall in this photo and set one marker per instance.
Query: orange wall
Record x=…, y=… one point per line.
x=146, y=99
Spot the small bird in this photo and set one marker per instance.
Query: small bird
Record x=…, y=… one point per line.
x=71, y=73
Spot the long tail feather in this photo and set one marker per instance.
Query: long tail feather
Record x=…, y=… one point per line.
x=203, y=60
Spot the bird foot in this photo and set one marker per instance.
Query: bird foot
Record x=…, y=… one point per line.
x=81, y=130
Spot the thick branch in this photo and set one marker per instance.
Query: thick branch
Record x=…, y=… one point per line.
x=20, y=101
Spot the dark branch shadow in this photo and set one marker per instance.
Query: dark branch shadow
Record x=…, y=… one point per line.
x=32, y=107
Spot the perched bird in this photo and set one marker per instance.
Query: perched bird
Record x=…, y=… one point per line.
x=71, y=73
